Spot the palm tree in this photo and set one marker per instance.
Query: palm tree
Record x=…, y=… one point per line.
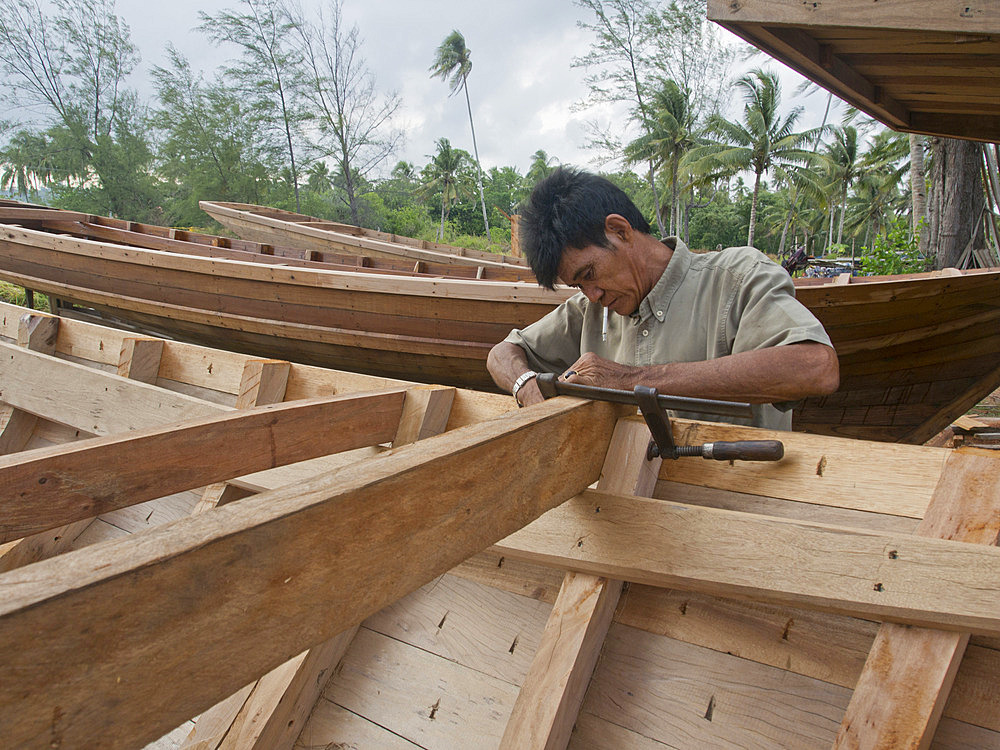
x=844, y=167
x=442, y=173
x=762, y=141
x=669, y=137
x=542, y=165
x=453, y=63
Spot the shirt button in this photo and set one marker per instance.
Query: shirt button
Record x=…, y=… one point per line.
x=659, y=314
x=645, y=332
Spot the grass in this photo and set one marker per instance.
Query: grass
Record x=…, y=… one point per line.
x=14, y=295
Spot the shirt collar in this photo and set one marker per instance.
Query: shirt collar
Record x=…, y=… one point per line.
x=663, y=291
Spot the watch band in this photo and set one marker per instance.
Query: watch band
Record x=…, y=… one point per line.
x=523, y=378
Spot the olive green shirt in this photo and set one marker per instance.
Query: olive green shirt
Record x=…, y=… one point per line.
x=703, y=307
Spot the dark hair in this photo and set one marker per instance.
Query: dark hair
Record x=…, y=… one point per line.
x=568, y=209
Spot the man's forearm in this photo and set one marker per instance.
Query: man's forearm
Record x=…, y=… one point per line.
x=506, y=362
x=783, y=373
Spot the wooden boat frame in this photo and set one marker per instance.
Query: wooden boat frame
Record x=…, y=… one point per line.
x=131, y=648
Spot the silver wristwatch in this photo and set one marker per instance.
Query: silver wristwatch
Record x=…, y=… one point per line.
x=523, y=378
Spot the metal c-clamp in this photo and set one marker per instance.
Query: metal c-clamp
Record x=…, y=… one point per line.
x=652, y=405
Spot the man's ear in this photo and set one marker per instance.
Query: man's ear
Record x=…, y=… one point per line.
x=618, y=229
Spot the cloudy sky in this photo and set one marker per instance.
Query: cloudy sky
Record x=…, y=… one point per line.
x=522, y=84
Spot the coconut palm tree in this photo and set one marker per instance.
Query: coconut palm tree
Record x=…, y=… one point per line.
x=443, y=173
x=453, y=63
x=763, y=139
x=542, y=165
x=844, y=166
x=669, y=137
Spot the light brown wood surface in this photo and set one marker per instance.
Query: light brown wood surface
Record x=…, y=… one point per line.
x=60, y=485
x=902, y=691
x=315, y=567
x=551, y=696
x=37, y=333
x=929, y=582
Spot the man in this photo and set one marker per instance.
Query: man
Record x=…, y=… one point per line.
x=721, y=325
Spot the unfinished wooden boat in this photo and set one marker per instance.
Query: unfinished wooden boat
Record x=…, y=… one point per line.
x=433, y=570
x=275, y=225
x=915, y=352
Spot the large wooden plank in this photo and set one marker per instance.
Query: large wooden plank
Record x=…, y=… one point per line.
x=551, y=696
x=879, y=477
x=276, y=707
x=928, y=15
x=138, y=358
x=276, y=573
x=56, y=486
x=883, y=576
x=87, y=399
x=908, y=676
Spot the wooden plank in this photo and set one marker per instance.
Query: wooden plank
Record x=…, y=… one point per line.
x=869, y=476
x=927, y=15
x=908, y=676
x=37, y=333
x=88, y=399
x=56, y=486
x=278, y=705
x=883, y=576
x=276, y=573
x=553, y=691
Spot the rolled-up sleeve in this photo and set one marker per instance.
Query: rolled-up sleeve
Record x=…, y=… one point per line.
x=552, y=344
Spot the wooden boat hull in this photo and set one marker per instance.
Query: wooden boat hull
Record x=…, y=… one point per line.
x=915, y=352
x=445, y=664
x=274, y=225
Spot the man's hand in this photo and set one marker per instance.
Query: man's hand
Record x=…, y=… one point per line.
x=593, y=370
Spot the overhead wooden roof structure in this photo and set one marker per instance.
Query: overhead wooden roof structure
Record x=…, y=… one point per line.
x=920, y=66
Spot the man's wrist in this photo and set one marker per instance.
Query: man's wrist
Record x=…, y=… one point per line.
x=520, y=382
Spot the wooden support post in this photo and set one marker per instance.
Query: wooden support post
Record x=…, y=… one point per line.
x=140, y=359
x=263, y=382
x=553, y=691
x=909, y=672
x=275, y=708
x=282, y=571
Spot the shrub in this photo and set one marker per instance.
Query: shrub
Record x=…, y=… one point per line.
x=894, y=252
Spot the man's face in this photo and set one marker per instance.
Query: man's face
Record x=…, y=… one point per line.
x=610, y=278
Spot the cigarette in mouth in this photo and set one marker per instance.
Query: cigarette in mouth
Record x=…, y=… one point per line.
x=604, y=326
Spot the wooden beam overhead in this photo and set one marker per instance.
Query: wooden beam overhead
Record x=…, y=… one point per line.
x=55, y=486
x=88, y=399
x=217, y=599
x=957, y=16
x=876, y=575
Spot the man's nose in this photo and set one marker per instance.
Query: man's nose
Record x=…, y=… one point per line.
x=593, y=293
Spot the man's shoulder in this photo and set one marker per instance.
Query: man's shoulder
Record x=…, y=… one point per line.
x=738, y=262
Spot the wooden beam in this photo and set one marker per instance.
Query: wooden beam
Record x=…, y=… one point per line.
x=88, y=399
x=62, y=484
x=908, y=676
x=37, y=333
x=140, y=359
x=275, y=574
x=276, y=707
x=929, y=15
x=136, y=355
x=877, y=575
x=263, y=382
x=553, y=691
